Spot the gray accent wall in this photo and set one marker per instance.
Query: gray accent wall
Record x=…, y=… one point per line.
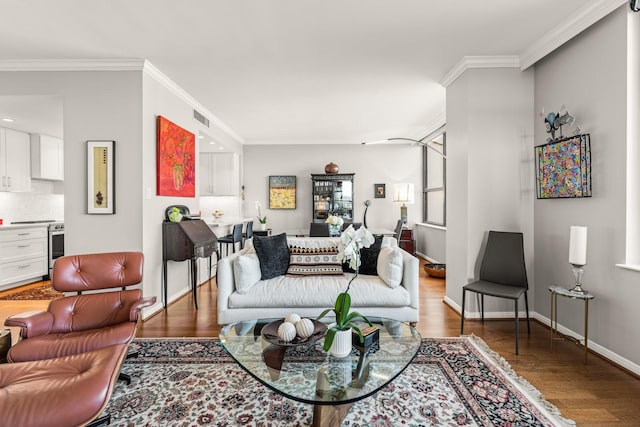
x=589, y=76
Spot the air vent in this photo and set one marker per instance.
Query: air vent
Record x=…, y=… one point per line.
x=201, y=118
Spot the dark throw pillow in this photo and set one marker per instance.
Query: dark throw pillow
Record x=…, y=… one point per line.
x=273, y=253
x=368, y=259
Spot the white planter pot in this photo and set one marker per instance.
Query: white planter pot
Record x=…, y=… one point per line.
x=262, y=227
x=341, y=346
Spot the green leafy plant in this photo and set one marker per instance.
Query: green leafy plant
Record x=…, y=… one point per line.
x=261, y=219
x=351, y=241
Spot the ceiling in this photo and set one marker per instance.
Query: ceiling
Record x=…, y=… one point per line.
x=291, y=71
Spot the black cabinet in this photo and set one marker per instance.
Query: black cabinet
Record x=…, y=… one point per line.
x=187, y=240
x=332, y=195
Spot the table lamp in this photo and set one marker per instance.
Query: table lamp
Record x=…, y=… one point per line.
x=403, y=193
x=578, y=255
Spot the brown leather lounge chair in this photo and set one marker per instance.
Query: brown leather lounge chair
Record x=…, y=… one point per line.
x=84, y=322
x=62, y=392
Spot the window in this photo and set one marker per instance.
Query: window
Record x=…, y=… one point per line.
x=434, y=194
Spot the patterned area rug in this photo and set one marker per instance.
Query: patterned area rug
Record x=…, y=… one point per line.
x=452, y=382
x=43, y=292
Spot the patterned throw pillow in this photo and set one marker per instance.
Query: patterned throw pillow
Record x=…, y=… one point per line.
x=314, y=262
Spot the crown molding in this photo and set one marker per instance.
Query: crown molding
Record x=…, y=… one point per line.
x=71, y=64
x=117, y=65
x=568, y=29
x=506, y=61
x=161, y=78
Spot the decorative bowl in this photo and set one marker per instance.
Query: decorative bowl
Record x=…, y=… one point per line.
x=436, y=270
x=270, y=334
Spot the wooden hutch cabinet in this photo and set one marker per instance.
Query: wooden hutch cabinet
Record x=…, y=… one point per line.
x=332, y=195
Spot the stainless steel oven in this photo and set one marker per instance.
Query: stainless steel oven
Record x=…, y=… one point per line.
x=56, y=243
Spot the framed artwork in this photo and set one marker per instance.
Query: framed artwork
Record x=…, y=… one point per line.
x=100, y=177
x=282, y=192
x=563, y=168
x=379, y=191
x=176, y=157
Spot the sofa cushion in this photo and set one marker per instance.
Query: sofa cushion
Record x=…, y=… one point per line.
x=246, y=270
x=314, y=262
x=320, y=292
x=273, y=253
x=368, y=259
x=389, y=266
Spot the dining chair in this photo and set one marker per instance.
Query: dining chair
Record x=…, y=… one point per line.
x=248, y=234
x=398, y=231
x=319, y=229
x=231, y=239
x=502, y=274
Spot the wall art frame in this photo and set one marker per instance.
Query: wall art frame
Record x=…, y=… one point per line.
x=379, y=191
x=563, y=168
x=176, y=160
x=282, y=192
x=101, y=191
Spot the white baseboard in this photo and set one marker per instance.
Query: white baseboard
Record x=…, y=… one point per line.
x=593, y=346
x=157, y=307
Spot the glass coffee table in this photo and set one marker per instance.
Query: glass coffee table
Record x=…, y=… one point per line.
x=308, y=374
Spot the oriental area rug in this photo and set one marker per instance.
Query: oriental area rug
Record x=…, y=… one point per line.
x=451, y=382
x=41, y=291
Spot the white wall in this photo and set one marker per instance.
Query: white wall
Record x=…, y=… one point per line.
x=489, y=171
x=372, y=164
x=44, y=201
x=588, y=76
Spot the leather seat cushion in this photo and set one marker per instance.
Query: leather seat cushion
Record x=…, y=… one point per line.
x=59, y=392
x=58, y=345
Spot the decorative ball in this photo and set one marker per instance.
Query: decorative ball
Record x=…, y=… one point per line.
x=286, y=332
x=305, y=328
x=292, y=318
x=331, y=168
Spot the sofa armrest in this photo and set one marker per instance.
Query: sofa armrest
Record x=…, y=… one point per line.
x=225, y=281
x=31, y=323
x=411, y=277
x=134, y=313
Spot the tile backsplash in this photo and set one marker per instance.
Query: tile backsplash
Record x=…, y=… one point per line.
x=44, y=201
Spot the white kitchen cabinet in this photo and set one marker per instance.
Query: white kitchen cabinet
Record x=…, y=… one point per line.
x=47, y=157
x=23, y=255
x=15, y=174
x=219, y=174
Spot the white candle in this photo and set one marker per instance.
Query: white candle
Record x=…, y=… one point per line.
x=578, y=245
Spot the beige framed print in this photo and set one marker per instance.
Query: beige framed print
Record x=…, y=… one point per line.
x=100, y=177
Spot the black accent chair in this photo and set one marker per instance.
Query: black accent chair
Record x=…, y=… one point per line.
x=319, y=229
x=231, y=239
x=502, y=274
x=247, y=234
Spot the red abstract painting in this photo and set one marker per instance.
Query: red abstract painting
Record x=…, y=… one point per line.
x=176, y=157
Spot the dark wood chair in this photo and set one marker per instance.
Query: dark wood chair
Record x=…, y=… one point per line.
x=502, y=274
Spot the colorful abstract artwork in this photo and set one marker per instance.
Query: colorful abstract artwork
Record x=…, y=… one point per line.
x=176, y=173
x=563, y=168
x=282, y=192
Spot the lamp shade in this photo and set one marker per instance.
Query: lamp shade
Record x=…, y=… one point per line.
x=578, y=245
x=403, y=193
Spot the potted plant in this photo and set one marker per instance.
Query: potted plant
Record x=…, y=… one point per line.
x=351, y=241
x=261, y=219
x=335, y=224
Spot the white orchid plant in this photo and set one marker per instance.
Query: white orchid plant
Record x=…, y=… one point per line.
x=261, y=219
x=351, y=241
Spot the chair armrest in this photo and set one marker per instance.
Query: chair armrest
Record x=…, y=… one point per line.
x=138, y=306
x=31, y=323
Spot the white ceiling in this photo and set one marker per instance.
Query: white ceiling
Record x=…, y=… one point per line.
x=291, y=71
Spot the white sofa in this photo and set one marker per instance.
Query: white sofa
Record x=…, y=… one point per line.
x=309, y=296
